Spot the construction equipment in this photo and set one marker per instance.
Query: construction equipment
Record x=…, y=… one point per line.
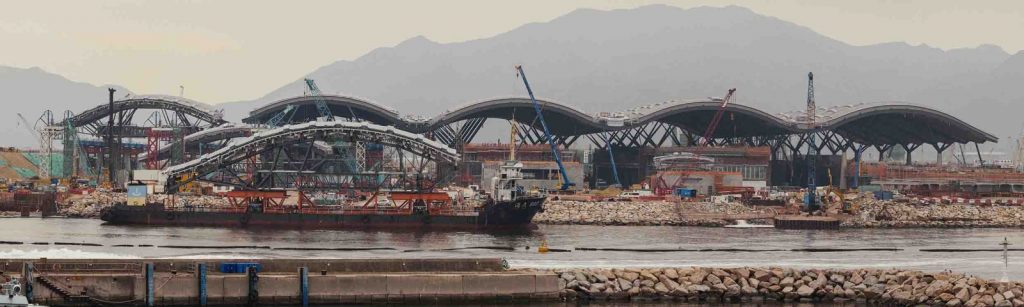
x=275, y=121
x=566, y=182
x=44, y=163
x=811, y=201
x=321, y=104
x=713, y=125
x=611, y=159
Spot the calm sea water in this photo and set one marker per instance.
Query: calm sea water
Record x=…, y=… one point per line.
x=761, y=247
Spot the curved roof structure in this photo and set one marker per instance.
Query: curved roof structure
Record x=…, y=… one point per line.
x=196, y=109
x=894, y=123
x=738, y=121
x=562, y=119
x=261, y=141
x=870, y=123
x=343, y=106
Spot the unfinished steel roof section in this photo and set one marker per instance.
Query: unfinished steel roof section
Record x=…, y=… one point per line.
x=341, y=106
x=694, y=116
x=180, y=105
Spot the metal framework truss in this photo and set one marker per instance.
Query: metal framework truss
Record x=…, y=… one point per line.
x=290, y=158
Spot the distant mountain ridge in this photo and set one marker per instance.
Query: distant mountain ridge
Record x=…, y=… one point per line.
x=614, y=60
x=31, y=91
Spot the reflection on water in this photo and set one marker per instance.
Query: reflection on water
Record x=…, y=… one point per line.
x=762, y=247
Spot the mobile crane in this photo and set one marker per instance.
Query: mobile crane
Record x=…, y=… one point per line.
x=566, y=183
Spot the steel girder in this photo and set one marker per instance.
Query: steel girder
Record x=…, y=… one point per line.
x=285, y=157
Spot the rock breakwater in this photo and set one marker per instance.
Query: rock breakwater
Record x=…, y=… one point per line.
x=904, y=215
x=890, y=287
x=640, y=213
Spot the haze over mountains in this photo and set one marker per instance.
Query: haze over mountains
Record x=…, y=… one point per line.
x=614, y=60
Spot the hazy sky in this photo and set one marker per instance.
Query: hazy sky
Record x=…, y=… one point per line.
x=230, y=50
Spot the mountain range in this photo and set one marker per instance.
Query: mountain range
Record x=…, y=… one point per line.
x=613, y=60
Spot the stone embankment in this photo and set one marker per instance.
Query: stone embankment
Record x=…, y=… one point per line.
x=905, y=215
x=890, y=287
x=867, y=214
x=636, y=213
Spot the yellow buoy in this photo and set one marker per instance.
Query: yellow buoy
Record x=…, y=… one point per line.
x=543, y=247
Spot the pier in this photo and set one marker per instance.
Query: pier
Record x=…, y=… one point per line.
x=202, y=282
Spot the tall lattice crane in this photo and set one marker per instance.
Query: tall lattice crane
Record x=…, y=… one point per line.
x=713, y=125
x=811, y=203
x=44, y=162
x=321, y=107
x=566, y=183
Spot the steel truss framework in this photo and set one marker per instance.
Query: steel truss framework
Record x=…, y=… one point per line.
x=289, y=158
x=783, y=146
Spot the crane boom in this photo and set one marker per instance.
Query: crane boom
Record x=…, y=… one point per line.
x=713, y=125
x=811, y=203
x=321, y=104
x=44, y=163
x=566, y=183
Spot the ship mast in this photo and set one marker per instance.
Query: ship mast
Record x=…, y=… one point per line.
x=512, y=139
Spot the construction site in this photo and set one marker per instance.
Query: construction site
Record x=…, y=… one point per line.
x=316, y=152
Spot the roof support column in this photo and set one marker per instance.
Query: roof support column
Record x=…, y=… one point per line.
x=857, y=151
x=909, y=148
x=881, y=151
x=939, y=148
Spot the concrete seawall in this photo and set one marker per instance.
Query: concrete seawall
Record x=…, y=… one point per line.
x=177, y=282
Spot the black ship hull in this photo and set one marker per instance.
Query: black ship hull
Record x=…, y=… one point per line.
x=513, y=214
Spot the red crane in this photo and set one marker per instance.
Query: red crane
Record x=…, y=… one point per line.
x=713, y=125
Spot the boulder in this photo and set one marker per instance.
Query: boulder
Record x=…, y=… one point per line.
x=630, y=275
x=786, y=282
x=698, y=276
x=647, y=275
x=679, y=292
x=672, y=274
x=945, y=297
x=856, y=278
x=624, y=285
x=762, y=275
x=670, y=283
x=697, y=288
x=567, y=277
x=805, y=291
x=964, y=294
x=661, y=288
x=713, y=279
x=742, y=273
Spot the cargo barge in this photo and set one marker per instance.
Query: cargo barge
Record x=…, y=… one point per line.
x=506, y=206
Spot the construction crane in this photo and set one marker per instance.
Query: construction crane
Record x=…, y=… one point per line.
x=566, y=183
x=44, y=163
x=611, y=159
x=321, y=104
x=713, y=125
x=321, y=107
x=811, y=203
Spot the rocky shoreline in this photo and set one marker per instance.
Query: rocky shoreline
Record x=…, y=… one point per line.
x=888, y=287
x=869, y=214
x=637, y=213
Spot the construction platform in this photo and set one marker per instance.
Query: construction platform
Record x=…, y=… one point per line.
x=806, y=222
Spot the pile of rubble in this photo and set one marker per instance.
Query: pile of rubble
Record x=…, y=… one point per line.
x=90, y=205
x=902, y=214
x=642, y=213
x=885, y=287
